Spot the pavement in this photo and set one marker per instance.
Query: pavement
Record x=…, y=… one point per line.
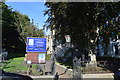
x=44, y=77
x=105, y=75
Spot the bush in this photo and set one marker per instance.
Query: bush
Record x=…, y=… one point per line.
x=48, y=56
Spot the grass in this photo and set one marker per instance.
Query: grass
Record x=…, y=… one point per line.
x=67, y=66
x=15, y=63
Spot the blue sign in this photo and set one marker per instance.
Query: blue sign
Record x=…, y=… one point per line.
x=36, y=44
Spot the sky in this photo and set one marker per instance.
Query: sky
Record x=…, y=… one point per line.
x=34, y=10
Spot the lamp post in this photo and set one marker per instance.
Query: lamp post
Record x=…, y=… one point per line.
x=76, y=61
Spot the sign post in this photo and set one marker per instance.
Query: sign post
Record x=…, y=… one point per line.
x=36, y=50
x=36, y=45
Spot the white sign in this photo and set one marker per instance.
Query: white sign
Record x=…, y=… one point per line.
x=41, y=57
x=67, y=37
x=28, y=62
x=31, y=41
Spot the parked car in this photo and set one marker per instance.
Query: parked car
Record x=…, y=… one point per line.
x=13, y=76
x=117, y=75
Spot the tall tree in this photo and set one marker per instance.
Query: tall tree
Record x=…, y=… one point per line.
x=82, y=20
x=9, y=33
x=16, y=28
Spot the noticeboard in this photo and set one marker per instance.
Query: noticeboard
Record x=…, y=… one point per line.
x=32, y=58
x=36, y=44
x=41, y=58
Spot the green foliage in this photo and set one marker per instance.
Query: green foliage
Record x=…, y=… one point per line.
x=48, y=56
x=26, y=28
x=81, y=21
x=16, y=27
x=9, y=34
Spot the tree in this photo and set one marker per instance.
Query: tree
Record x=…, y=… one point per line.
x=9, y=34
x=16, y=27
x=27, y=28
x=81, y=21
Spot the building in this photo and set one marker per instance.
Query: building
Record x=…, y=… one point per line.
x=113, y=48
x=50, y=42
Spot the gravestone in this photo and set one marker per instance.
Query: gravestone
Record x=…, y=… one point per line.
x=92, y=62
x=48, y=67
x=92, y=59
